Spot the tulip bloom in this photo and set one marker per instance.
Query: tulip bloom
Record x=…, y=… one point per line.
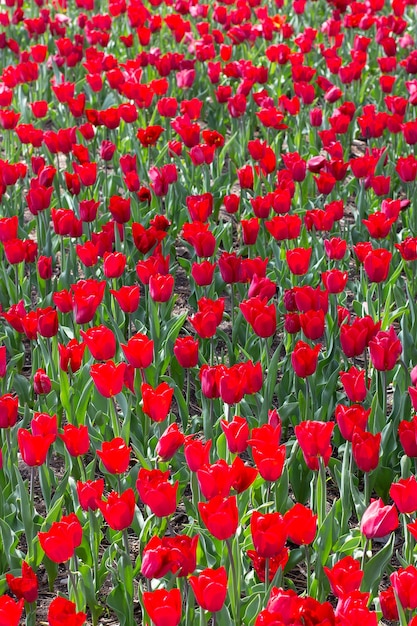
x=407, y=433
x=210, y=588
x=379, y=520
x=186, y=351
x=220, y=516
x=139, y=351
x=62, y=611
x=61, y=540
x=304, y=359
x=314, y=440
x=10, y=610
x=301, y=524
x=157, y=402
x=118, y=510
x=115, y=455
x=377, y=264
x=157, y=492
x=345, y=576
x=269, y=533
x=298, y=260
x=404, y=582
x=365, y=449
x=163, y=607
x=108, y=377
x=260, y=315
x=404, y=494
x=350, y=417
x=385, y=349
x=353, y=382
x=237, y=434
x=101, y=342
x=34, y=448
x=76, y=439
x=90, y=493
x=24, y=586
x=169, y=442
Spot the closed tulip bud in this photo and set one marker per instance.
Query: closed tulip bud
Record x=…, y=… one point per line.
x=41, y=382
x=186, y=351
x=379, y=520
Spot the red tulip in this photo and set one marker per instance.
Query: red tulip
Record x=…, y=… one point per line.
x=301, y=524
x=118, y=510
x=345, y=576
x=404, y=494
x=115, y=455
x=139, y=351
x=24, y=586
x=210, y=588
x=108, y=377
x=62, y=611
x=157, y=492
x=314, y=440
x=377, y=264
x=220, y=516
x=169, y=442
x=76, y=439
x=163, y=607
x=304, y=358
x=61, y=540
x=10, y=610
x=269, y=533
x=90, y=493
x=33, y=448
x=157, y=402
x=385, y=349
x=404, y=583
x=365, y=449
x=298, y=260
x=260, y=315
x=101, y=342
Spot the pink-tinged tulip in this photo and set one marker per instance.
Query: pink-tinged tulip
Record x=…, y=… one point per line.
x=379, y=520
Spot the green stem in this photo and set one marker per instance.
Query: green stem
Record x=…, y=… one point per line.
x=367, y=488
x=236, y=595
x=321, y=493
x=266, y=576
x=308, y=567
x=114, y=418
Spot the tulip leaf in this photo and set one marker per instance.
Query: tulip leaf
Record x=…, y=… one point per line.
x=376, y=566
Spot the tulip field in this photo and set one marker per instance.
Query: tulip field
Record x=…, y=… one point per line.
x=208, y=312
